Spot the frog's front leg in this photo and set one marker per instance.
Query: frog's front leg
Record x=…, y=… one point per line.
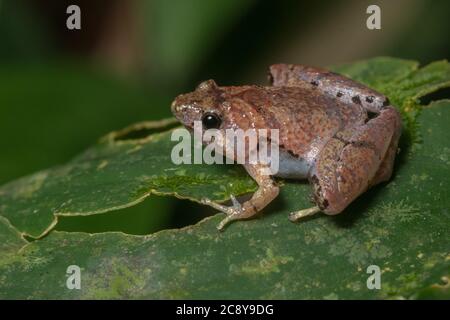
x=355, y=159
x=267, y=191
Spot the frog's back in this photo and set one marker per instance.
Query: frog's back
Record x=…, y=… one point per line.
x=305, y=118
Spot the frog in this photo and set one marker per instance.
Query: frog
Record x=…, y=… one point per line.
x=334, y=132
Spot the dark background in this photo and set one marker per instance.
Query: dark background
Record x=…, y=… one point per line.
x=60, y=89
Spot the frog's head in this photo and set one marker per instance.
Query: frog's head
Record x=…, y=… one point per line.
x=205, y=104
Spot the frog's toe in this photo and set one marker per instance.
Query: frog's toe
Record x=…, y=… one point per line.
x=236, y=204
x=224, y=222
x=236, y=207
x=215, y=205
x=295, y=216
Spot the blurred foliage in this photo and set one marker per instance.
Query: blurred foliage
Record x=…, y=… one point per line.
x=182, y=33
x=23, y=33
x=426, y=38
x=50, y=113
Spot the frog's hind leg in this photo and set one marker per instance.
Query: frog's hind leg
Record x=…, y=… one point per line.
x=384, y=173
x=349, y=164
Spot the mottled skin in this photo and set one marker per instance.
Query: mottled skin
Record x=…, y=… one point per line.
x=344, y=134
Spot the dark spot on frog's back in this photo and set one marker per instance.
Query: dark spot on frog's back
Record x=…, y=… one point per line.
x=369, y=99
x=356, y=99
x=315, y=83
x=339, y=94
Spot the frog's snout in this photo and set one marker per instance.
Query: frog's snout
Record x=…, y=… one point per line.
x=176, y=107
x=173, y=106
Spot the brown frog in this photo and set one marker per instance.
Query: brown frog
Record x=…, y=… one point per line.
x=339, y=134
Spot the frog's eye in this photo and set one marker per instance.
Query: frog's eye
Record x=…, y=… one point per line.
x=211, y=120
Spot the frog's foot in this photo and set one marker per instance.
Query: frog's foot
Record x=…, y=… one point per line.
x=294, y=216
x=267, y=191
x=233, y=212
x=236, y=207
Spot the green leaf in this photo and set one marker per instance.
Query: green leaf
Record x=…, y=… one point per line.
x=10, y=239
x=115, y=174
x=401, y=226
